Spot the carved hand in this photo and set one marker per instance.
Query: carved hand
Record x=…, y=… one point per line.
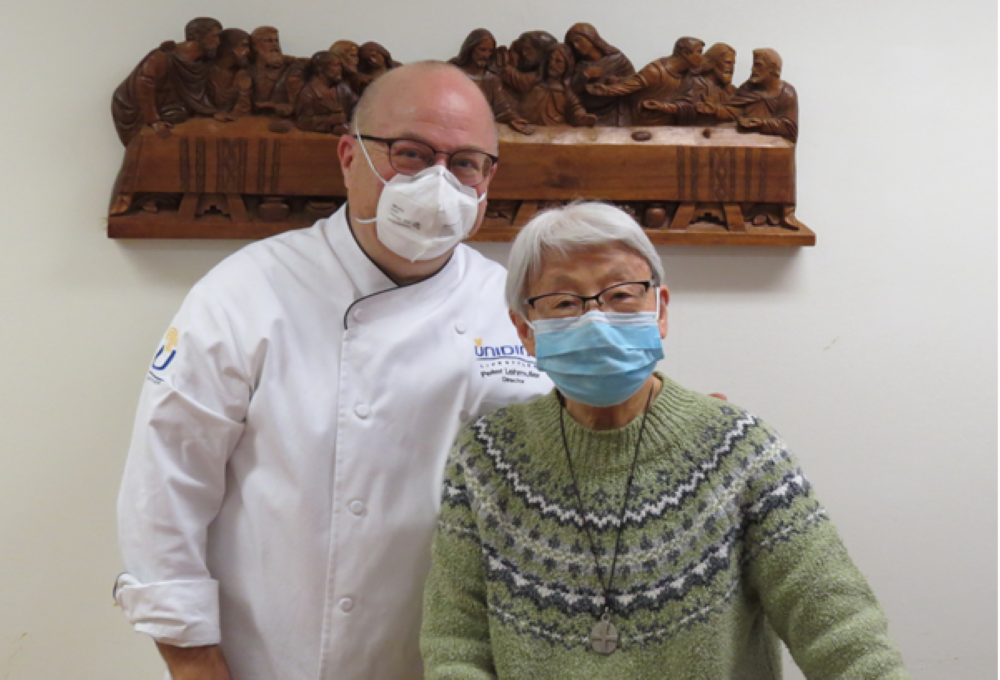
x=589, y=120
x=502, y=57
x=593, y=73
x=750, y=122
x=522, y=126
x=224, y=117
x=597, y=88
x=283, y=109
x=654, y=105
x=161, y=128
x=705, y=108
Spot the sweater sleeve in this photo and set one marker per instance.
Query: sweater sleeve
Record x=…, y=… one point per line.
x=455, y=636
x=814, y=596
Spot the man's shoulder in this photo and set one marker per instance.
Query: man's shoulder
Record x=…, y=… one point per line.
x=305, y=251
x=478, y=266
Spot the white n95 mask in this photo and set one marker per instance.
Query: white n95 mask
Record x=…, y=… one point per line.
x=422, y=216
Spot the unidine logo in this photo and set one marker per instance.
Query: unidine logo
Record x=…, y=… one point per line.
x=167, y=351
x=493, y=352
x=507, y=363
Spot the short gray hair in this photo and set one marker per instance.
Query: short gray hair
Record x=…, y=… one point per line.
x=576, y=226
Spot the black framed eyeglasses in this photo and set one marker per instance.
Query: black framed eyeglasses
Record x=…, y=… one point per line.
x=624, y=298
x=409, y=156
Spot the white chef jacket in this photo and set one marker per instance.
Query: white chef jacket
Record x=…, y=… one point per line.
x=284, y=475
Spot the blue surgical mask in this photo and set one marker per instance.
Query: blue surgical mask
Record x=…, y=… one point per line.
x=599, y=358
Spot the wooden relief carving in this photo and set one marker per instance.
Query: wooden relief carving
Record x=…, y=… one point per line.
x=226, y=136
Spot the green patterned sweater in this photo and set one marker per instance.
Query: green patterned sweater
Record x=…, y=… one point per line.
x=724, y=550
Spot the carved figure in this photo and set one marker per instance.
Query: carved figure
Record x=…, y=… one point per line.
x=229, y=85
x=598, y=63
x=552, y=101
x=374, y=60
x=277, y=78
x=474, y=59
x=658, y=84
x=169, y=85
x=711, y=84
x=349, y=52
x=764, y=103
x=520, y=66
x=327, y=100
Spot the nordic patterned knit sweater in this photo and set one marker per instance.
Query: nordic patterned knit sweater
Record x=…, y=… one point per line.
x=724, y=550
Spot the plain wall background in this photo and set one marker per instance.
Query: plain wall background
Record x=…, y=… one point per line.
x=873, y=353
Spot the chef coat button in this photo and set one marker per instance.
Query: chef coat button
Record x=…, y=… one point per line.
x=357, y=314
x=357, y=507
x=346, y=604
x=362, y=411
x=460, y=328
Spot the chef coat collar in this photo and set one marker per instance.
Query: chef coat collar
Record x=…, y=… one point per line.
x=368, y=279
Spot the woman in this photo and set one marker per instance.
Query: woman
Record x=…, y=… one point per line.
x=623, y=526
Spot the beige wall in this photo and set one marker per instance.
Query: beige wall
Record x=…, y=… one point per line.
x=873, y=353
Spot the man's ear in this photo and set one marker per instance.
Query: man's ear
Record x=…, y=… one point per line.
x=347, y=154
x=664, y=301
x=524, y=332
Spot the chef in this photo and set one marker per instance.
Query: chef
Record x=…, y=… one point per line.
x=283, y=480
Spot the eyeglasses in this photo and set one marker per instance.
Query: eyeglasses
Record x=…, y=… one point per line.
x=408, y=157
x=624, y=298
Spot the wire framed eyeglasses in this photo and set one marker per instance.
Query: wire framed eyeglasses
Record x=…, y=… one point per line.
x=410, y=156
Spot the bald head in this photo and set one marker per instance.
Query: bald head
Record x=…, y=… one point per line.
x=417, y=89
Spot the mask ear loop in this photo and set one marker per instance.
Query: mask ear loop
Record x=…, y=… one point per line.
x=371, y=165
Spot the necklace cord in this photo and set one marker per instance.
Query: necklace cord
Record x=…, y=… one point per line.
x=621, y=514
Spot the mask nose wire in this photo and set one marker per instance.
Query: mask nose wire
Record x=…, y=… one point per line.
x=371, y=165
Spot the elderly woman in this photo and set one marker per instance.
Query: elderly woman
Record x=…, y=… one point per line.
x=623, y=526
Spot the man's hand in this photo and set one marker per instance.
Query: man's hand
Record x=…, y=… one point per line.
x=593, y=73
x=195, y=663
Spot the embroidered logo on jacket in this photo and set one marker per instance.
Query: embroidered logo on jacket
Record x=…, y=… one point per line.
x=164, y=355
x=511, y=362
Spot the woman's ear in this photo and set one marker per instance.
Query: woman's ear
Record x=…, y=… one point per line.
x=664, y=301
x=524, y=332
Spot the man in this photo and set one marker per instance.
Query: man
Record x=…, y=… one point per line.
x=169, y=85
x=765, y=103
x=657, y=84
x=277, y=77
x=283, y=481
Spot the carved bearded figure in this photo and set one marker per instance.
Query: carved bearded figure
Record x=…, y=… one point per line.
x=349, y=54
x=765, y=103
x=277, y=78
x=374, y=60
x=327, y=101
x=169, y=85
x=520, y=66
x=474, y=59
x=659, y=84
x=230, y=86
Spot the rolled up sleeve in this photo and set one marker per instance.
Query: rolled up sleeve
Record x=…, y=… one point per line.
x=190, y=418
